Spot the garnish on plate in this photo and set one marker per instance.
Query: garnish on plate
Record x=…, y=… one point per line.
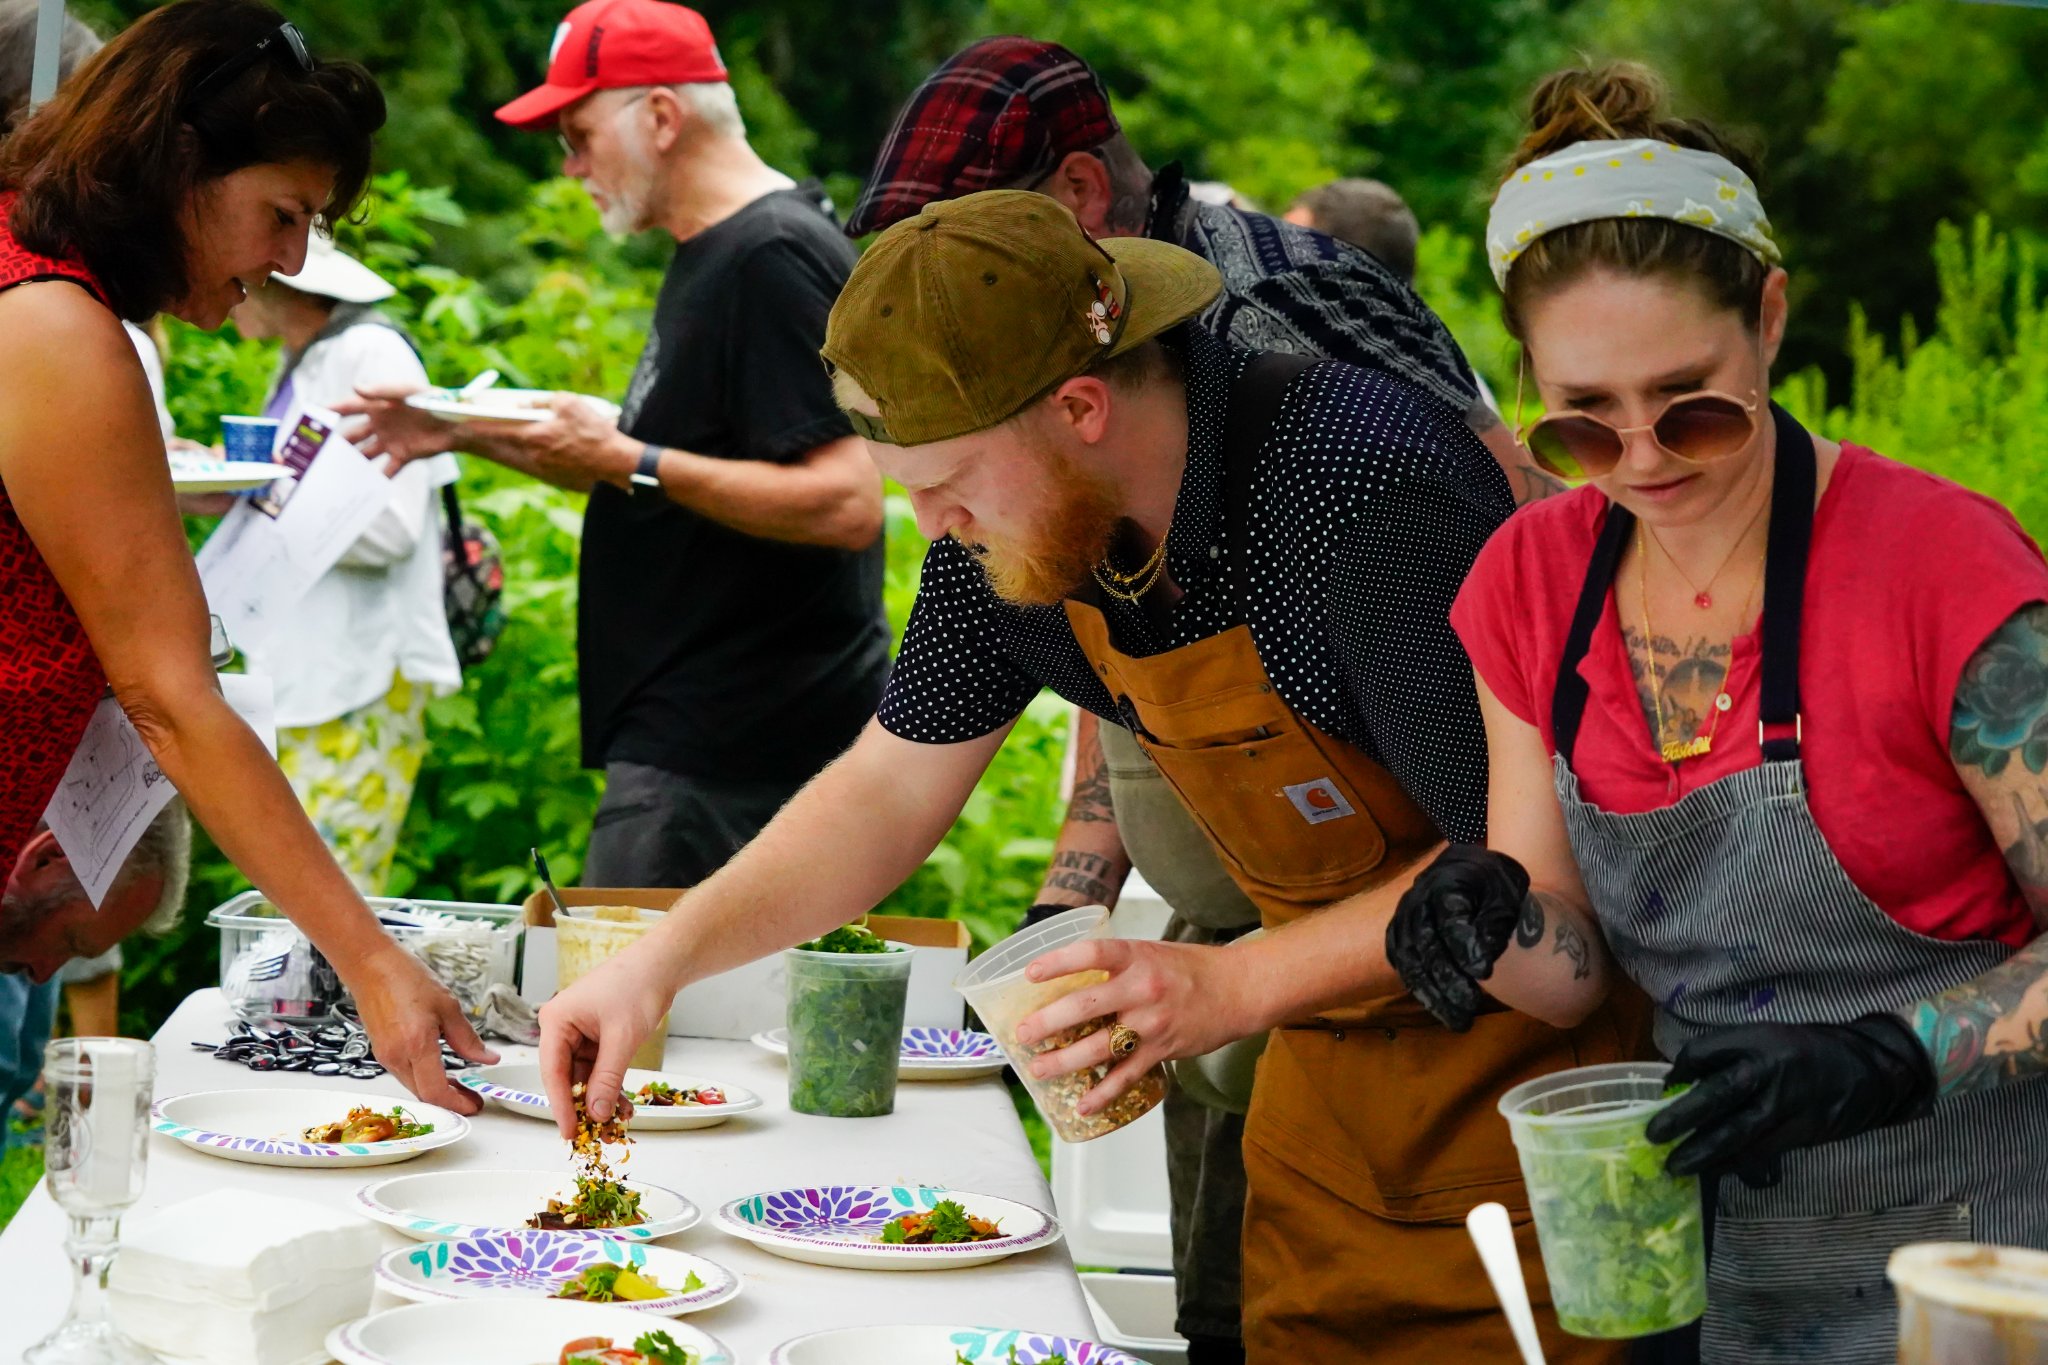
x=649, y=1348
x=621, y=1283
x=1057, y=1358
x=601, y=1199
x=946, y=1223
x=365, y=1124
x=662, y=1095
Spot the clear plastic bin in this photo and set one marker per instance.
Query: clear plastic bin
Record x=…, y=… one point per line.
x=1964, y=1303
x=1621, y=1238
x=587, y=936
x=269, y=970
x=996, y=989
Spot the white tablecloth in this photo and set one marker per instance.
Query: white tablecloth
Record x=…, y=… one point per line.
x=962, y=1134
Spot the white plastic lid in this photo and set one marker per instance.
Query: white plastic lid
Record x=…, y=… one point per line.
x=2005, y=1282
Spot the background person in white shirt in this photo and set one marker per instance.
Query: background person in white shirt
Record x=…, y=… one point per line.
x=357, y=661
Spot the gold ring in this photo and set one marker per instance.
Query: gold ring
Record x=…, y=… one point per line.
x=1123, y=1040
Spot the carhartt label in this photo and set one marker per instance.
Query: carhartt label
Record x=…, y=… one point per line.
x=1319, y=801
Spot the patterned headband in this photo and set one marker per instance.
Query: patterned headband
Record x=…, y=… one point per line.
x=1637, y=178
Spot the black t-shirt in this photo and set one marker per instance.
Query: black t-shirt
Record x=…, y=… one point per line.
x=704, y=650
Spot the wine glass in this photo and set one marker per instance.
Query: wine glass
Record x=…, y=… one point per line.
x=95, y=1143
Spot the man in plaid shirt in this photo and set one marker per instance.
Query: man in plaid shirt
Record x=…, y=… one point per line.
x=1013, y=113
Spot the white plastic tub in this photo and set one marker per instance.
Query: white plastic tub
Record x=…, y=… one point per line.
x=1134, y=1313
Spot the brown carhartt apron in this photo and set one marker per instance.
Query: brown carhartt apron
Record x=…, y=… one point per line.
x=1373, y=1129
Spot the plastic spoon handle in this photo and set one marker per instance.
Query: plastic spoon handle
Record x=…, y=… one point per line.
x=1495, y=1238
x=480, y=383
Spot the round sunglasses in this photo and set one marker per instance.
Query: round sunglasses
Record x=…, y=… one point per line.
x=1694, y=427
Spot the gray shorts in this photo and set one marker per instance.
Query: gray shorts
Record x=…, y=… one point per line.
x=662, y=829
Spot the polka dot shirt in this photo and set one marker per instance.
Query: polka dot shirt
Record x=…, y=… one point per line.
x=1369, y=504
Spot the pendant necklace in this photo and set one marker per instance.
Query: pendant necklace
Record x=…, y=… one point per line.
x=1130, y=587
x=1698, y=746
x=1701, y=596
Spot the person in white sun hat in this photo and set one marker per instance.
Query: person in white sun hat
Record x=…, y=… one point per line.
x=357, y=662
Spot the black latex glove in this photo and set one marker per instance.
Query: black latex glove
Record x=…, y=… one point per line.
x=1452, y=925
x=1762, y=1090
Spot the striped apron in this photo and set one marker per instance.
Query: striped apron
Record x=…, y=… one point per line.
x=1730, y=908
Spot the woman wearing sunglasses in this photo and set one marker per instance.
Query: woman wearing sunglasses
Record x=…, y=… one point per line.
x=1767, y=719
x=183, y=164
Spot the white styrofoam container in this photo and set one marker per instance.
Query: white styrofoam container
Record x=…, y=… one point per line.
x=1134, y=1313
x=1111, y=1192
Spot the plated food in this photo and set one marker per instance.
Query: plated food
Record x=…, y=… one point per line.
x=517, y=1332
x=574, y=1267
x=707, y=1102
x=601, y=1201
x=929, y=1054
x=847, y=1225
x=940, y=1345
x=649, y=1348
x=944, y=1224
x=301, y=1127
x=463, y=1205
x=365, y=1124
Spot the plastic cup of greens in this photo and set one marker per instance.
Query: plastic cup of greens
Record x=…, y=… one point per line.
x=846, y=996
x=1621, y=1238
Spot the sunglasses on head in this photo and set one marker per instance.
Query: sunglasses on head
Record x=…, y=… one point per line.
x=284, y=42
x=1694, y=427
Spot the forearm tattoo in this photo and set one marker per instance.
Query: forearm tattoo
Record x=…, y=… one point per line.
x=1538, y=909
x=1090, y=803
x=1994, y=1029
x=1085, y=874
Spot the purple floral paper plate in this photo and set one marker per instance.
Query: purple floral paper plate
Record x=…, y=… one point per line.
x=535, y=1265
x=841, y=1225
x=929, y=1054
x=266, y=1127
x=975, y=1345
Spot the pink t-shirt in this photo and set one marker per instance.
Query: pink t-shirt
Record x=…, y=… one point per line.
x=1908, y=575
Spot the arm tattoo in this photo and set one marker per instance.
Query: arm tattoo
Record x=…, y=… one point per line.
x=1572, y=944
x=1534, y=485
x=2001, y=708
x=1538, y=908
x=1083, y=874
x=1992, y=1030
x=1529, y=928
x=1090, y=803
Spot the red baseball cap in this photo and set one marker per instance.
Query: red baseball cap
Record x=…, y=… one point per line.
x=614, y=44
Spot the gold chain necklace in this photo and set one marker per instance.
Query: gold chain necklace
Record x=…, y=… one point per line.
x=1701, y=598
x=1678, y=750
x=1130, y=587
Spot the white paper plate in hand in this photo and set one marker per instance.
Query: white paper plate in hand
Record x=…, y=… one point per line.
x=929, y=1054
x=449, y=1205
x=267, y=1127
x=498, y=1332
x=517, y=1086
x=975, y=1345
x=499, y=405
x=535, y=1265
x=190, y=475
x=841, y=1225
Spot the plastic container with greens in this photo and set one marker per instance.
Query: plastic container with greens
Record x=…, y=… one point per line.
x=1621, y=1237
x=846, y=997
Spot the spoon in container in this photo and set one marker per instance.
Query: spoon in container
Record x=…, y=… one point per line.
x=540, y=865
x=1495, y=1237
x=478, y=384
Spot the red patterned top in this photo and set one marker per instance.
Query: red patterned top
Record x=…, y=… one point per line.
x=50, y=679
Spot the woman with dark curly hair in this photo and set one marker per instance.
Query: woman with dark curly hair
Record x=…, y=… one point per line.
x=182, y=165
x=1767, y=722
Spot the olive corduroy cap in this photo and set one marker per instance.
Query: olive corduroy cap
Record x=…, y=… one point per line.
x=957, y=319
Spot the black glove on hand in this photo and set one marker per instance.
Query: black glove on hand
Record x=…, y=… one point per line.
x=1452, y=925
x=1762, y=1090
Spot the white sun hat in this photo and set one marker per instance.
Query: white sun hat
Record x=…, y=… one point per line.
x=334, y=274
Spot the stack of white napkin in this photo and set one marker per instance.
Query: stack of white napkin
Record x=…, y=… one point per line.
x=237, y=1278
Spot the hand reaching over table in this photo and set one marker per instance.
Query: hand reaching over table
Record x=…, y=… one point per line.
x=589, y=1031
x=406, y=1013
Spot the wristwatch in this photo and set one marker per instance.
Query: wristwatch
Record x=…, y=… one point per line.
x=647, y=475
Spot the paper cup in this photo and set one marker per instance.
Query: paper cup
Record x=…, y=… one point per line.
x=996, y=988
x=1621, y=1237
x=248, y=438
x=586, y=935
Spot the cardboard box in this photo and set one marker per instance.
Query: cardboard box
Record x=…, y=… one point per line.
x=753, y=998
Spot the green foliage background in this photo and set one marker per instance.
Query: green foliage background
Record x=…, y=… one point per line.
x=1881, y=120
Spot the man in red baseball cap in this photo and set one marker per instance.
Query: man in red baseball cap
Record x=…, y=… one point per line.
x=730, y=633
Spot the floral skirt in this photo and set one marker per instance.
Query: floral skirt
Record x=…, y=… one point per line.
x=355, y=775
